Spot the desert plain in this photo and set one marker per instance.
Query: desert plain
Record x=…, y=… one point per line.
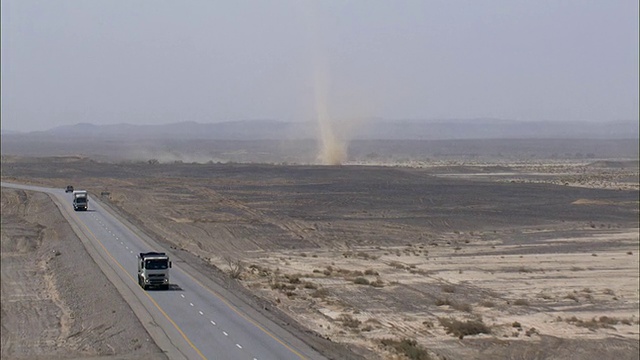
x=445, y=257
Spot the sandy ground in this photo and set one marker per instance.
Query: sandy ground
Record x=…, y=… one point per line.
x=55, y=301
x=529, y=266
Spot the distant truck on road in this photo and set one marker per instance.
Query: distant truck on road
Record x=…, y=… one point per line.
x=153, y=270
x=80, y=200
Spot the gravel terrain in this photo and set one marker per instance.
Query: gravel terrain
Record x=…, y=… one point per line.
x=443, y=262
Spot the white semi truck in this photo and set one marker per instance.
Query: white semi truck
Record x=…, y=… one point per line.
x=80, y=200
x=153, y=270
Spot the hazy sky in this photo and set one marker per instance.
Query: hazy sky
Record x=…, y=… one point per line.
x=148, y=62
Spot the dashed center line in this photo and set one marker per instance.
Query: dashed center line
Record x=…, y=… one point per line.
x=239, y=346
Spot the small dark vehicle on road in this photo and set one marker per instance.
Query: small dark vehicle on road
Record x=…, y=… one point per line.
x=69, y=189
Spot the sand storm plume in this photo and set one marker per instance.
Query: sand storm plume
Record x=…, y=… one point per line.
x=333, y=150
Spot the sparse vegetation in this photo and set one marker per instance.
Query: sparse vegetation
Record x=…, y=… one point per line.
x=377, y=283
x=349, y=321
x=531, y=331
x=463, y=328
x=236, y=268
x=320, y=293
x=521, y=302
x=460, y=306
x=603, y=322
x=310, y=285
x=572, y=296
x=407, y=347
x=361, y=281
x=488, y=303
x=448, y=288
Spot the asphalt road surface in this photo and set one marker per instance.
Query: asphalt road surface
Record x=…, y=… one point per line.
x=191, y=320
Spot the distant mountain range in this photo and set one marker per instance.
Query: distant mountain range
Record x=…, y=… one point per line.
x=363, y=130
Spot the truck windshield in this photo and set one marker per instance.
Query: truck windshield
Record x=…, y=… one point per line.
x=81, y=200
x=156, y=264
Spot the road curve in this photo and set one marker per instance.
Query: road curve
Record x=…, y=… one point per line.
x=192, y=320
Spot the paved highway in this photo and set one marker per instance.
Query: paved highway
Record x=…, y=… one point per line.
x=191, y=320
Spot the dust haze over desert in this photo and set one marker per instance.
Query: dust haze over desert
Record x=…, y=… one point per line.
x=410, y=180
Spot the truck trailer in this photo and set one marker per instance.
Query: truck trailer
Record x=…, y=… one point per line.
x=153, y=270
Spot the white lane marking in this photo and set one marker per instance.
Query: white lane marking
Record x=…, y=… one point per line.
x=121, y=243
x=182, y=295
x=213, y=322
x=225, y=333
x=191, y=304
x=201, y=313
x=239, y=346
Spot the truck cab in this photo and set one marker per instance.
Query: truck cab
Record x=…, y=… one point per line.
x=80, y=200
x=153, y=270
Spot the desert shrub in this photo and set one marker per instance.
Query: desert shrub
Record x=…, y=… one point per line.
x=310, y=285
x=521, y=302
x=361, y=281
x=371, y=272
x=282, y=286
x=488, y=303
x=377, y=283
x=236, y=268
x=545, y=296
x=516, y=324
x=320, y=293
x=460, y=306
x=448, y=288
x=349, y=321
x=463, y=328
x=408, y=347
x=595, y=323
x=397, y=265
x=357, y=273
x=572, y=297
x=608, y=320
